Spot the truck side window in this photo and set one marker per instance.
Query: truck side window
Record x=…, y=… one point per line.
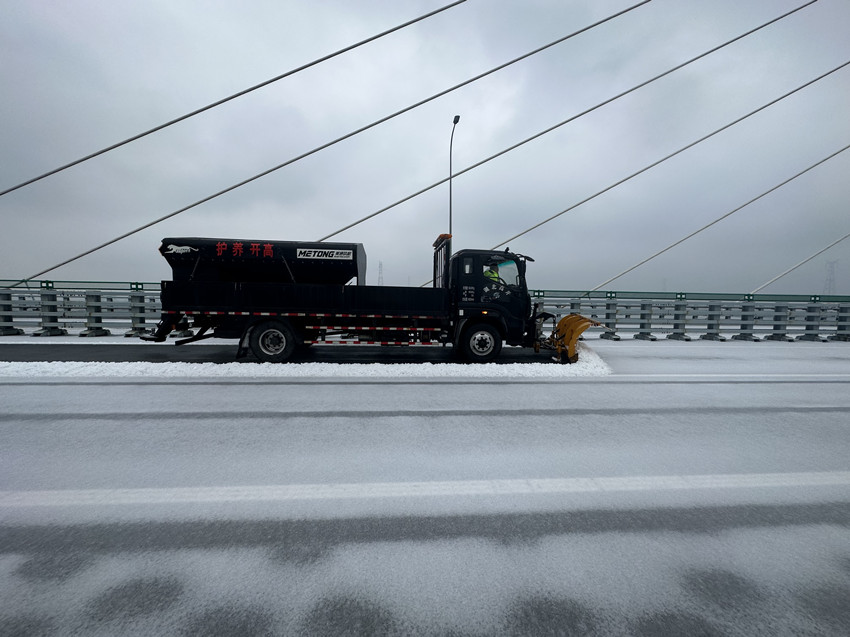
x=491, y=272
x=467, y=266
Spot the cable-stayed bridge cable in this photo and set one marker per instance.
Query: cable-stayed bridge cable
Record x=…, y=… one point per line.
x=671, y=155
x=660, y=161
x=231, y=97
x=803, y=262
x=558, y=125
x=331, y=143
x=718, y=220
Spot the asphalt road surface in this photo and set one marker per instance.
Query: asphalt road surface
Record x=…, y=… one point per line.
x=700, y=489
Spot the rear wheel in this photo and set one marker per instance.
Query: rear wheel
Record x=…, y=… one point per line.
x=273, y=341
x=481, y=343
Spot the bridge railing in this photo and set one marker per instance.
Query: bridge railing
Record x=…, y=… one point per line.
x=684, y=316
x=89, y=308
x=96, y=308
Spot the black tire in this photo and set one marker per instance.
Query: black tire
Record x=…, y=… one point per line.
x=481, y=343
x=272, y=341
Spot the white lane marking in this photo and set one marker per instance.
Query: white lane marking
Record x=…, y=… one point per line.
x=730, y=375
x=380, y=490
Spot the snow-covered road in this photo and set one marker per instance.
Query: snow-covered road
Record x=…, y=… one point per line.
x=661, y=488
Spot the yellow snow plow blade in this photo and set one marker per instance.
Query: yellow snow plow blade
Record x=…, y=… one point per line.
x=566, y=334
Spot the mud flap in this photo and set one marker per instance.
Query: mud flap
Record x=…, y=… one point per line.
x=242, y=349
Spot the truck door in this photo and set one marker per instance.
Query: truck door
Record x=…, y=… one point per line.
x=493, y=280
x=503, y=284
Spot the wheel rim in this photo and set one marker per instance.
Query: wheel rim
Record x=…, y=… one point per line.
x=272, y=342
x=482, y=343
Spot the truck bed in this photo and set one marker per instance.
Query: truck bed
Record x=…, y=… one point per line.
x=280, y=298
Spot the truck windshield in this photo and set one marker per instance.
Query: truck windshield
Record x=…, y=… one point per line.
x=509, y=272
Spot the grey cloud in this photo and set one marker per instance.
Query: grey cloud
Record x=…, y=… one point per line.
x=82, y=76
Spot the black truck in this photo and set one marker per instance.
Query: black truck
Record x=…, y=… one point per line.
x=276, y=296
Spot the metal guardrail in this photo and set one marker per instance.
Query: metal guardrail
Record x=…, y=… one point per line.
x=95, y=308
x=715, y=317
x=55, y=308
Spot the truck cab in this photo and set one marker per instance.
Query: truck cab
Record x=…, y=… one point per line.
x=490, y=302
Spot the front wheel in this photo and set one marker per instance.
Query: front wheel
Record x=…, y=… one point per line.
x=481, y=343
x=272, y=341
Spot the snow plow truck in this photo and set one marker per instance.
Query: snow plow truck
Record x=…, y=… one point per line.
x=277, y=296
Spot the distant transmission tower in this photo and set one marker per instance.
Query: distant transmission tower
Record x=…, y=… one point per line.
x=829, y=283
x=380, y=272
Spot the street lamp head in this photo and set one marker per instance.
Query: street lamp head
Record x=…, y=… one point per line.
x=456, y=119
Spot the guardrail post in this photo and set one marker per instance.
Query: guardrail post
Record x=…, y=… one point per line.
x=645, y=321
x=680, y=318
x=610, y=318
x=6, y=327
x=713, y=324
x=748, y=318
x=842, y=327
x=780, y=325
x=49, y=311
x=812, y=322
x=137, y=311
x=94, y=318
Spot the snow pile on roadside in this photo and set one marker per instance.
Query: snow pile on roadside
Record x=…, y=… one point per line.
x=589, y=365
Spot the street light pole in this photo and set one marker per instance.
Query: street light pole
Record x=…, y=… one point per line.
x=451, y=141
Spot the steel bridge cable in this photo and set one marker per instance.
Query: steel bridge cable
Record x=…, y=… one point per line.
x=660, y=161
x=671, y=155
x=331, y=143
x=231, y=97
x=803, y=262
x=558, y=125
x=719, y=219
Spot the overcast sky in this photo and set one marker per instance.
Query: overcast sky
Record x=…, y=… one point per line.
x=79, y=76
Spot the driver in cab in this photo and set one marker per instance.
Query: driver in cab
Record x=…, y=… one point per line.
x=492, y=273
